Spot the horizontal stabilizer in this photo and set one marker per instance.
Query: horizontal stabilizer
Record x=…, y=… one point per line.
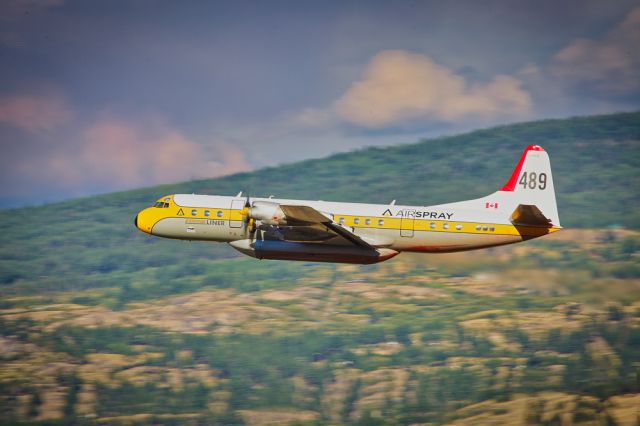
x=529, y=215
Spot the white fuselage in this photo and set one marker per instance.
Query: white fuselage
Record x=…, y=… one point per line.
x=440, y=228
x=270, y=228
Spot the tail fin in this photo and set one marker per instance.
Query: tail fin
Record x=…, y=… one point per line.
x=530, y=189
x=528, y=197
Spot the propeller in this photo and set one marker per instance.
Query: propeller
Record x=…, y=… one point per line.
x=251, y=223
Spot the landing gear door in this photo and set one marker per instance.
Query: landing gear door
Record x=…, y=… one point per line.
x=407, y=223
x=236, y=219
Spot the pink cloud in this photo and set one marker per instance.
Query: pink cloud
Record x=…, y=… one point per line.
x=34, y=113
x=398, y=86
x=115, y=154
x=228, y=159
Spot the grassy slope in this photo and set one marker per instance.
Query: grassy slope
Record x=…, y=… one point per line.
x=544, y=331
x=92, y=242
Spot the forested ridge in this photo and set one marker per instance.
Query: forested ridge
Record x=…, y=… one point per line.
x=102, y=324
x=594, y=162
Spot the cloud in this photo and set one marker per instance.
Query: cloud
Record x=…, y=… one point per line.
x=398, y=86
x=114, y=154
x=118, y=153
x=34, y=113
x=611, y=65
x=227, y=159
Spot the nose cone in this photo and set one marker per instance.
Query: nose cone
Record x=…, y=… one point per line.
x=143, y=221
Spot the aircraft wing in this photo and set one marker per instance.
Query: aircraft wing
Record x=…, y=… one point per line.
x=303, y=214
x=308, y=224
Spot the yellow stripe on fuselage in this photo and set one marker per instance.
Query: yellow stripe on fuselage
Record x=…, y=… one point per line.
x=485, y=228
x=198, y=214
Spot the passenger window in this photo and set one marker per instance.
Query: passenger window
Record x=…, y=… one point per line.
x=367, y=221
x=341, y=221
x=432, y=225
x=458, y=227
x=207, y=213
x=485, y=228
x=445, y=226
x=380, y=222
x=219, y=213
x=194, y=212
x=478, y=228
x=492, y=229
x=356, y=220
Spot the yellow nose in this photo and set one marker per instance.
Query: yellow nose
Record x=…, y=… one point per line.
x=143, y=221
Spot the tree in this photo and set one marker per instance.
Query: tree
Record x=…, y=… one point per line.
x=402, y=334
x=72, y=397
x=34, y=406
x=350, y=400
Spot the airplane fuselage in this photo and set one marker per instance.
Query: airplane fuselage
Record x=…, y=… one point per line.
x=270, y=228
x=427, y=229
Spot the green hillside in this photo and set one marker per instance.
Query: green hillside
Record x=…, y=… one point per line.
x=595, y=169
x=102, y=324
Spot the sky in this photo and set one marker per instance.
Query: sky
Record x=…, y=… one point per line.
x=102, y=96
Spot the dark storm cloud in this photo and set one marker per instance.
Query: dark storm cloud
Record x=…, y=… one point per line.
x=230, y=85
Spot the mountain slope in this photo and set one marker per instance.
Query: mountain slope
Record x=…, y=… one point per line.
x=91, y=241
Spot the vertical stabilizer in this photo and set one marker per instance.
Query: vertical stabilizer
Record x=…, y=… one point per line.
x=528, y=197
x=531, y=184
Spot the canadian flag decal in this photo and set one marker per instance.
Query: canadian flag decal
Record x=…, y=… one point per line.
x=490, y=205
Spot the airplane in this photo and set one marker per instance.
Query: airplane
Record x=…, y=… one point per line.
x=322, y=231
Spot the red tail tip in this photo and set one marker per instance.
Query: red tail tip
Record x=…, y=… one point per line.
x=511, y=183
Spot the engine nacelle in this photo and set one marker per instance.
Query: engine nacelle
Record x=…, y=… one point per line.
x=267, y=213
x=310, y=252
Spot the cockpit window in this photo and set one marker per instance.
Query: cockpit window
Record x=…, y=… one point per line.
x=159, y=204
x=166, y=205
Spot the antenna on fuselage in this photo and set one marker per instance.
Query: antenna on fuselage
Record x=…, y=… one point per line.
x=239, y=194
x=393, y=203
